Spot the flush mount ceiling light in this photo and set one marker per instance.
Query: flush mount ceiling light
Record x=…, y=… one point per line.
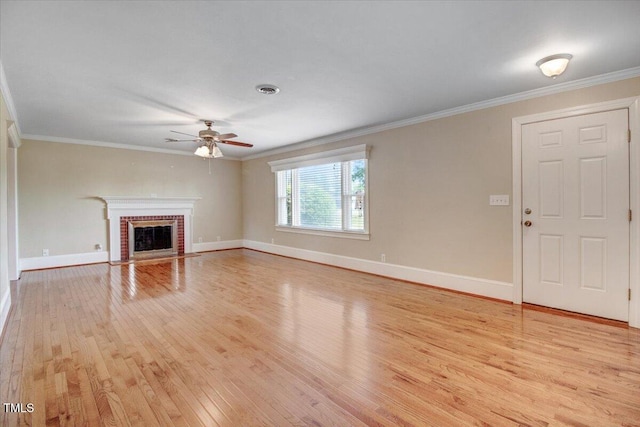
x=554, y=65
x=268, y=89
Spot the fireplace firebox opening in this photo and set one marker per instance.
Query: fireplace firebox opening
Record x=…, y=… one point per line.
x=152, y=238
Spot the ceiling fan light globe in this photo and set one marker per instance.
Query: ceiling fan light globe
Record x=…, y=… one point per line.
x=202, y=151
x=217, y=153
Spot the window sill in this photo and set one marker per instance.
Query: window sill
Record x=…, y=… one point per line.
x=327, y=233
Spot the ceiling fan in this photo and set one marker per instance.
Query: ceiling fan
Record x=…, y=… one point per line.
x=209, y=140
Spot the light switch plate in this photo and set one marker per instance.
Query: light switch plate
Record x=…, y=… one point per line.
x=499, y=200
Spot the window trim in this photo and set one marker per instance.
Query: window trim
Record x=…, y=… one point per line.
x=345, y=234
x=356, y=152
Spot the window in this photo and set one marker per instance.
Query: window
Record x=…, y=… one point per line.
x=323, y=192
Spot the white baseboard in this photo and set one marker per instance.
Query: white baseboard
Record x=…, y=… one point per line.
x=5, y=306
x=37, y=263
x=15, y=275
x=217, y=246
x=472, y=285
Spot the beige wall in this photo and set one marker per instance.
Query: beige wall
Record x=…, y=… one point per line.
x=429, y=187
x=58, y=185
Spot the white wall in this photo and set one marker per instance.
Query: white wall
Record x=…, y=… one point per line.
x=5, y=293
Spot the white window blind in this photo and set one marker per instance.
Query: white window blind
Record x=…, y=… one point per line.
x=324, y=192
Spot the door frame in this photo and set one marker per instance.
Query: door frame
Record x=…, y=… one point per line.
x=633, y=104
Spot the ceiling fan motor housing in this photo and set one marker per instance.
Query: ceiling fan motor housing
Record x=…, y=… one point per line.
x=208, y=133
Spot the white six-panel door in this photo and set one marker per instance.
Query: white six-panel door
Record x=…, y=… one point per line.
x=575, y=238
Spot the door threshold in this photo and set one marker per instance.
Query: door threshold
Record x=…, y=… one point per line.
x=574, y=315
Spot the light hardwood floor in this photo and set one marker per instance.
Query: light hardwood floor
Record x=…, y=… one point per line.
x=242, y=338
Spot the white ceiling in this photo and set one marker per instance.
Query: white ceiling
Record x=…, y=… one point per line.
x=127, y=72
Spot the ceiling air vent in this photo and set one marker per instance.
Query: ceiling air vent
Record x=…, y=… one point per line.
x=268, y=89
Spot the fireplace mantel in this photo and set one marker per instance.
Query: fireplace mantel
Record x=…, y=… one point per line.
x=133, y=202
x=125, y=206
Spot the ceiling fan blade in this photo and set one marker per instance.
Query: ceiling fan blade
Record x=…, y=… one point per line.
x=182, y=133
x=226, y=136
x=181, y=140
x=238, y=143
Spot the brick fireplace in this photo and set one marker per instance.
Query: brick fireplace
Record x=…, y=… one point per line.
x=125, y=229
x=121, y=211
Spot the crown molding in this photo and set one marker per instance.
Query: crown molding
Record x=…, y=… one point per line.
x=522, y=96
x=114, y=145
x=8, y=99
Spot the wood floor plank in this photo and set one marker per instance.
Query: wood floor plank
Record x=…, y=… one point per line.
x=245, y=338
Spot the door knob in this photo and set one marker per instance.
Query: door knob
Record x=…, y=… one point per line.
x=528, y=223
x=527, y=211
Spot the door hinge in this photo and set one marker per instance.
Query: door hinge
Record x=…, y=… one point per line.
x=629, y=135
x=630, y=215
x=629, y=294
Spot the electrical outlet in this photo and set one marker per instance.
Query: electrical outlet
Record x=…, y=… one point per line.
x=383, y=258
x=499, y=200
x=273, y=241
x=199, y=239
x=98, y=247
x=45, y=252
